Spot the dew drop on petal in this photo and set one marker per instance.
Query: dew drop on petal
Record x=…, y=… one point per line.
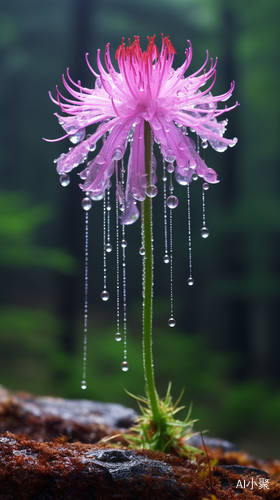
x=78, y=136
x=98, y=196
x=190, y=281
x=83, y=384
x=104, y=295
x=142, y=251
x=171, y=322
x=123, y=243
x=117, y=155
x=125, y=366
x=204, y=232
x=172, y=202
x=118, y=337
x=205, y=186
x=64, y=180
x=108, y=247
x=151, y=191
x=86, y=203
x=166, y=259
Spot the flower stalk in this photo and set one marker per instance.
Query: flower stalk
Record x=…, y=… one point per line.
x=147, y=235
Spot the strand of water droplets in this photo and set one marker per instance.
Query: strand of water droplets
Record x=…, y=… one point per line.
x=164, y=178
x=104, y=294
x=124, y=365
x=190, y=279
x=171, y=202
x=86, y=205
x=109, y=247
x=205, y=186
x=118, y=336
x=204, y=231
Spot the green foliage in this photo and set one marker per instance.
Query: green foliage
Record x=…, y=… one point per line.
x=19, y=222
x=167, y=434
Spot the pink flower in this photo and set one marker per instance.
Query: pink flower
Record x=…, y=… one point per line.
x=146, y=87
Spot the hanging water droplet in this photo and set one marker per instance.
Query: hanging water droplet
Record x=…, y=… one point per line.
x=194, y=177
x=170, y=168
x=118, y=337
x=151, y=191
x=83, y=384
x=172, y=202
x=205, y=186
x=142, y=251
x=204, y=232
x=104, y=295
x=78, y=136
x=190, y=281
x=93, y=147
x=125, y=366
x=64, y=180
x=108, y=208
x=86, y=203
x=204, y=144
x=171, y=322
x=108, y=247
x=164, y=178
x=123, y=243
x=166, y=259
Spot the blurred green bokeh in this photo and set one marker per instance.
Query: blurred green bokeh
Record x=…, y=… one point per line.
x=225, y=348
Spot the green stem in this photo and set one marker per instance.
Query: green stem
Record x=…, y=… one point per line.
x=147, y=236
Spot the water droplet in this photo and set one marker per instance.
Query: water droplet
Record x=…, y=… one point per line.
x=204, y=232
x=194, y=177
x=164, y=178
x=108, y=247
x=93, y=147
x=172, y=322
x=123, y=243
x=151, y=191
x=205, y=186
x=86, y=203
x=117, y=155
x=64, y=180
x=97, y=197
x=118, y=337
x=105, y=295
x=170, y=168
x=166, y=258
x=142, y=251
x=190, y=281
x=108, y=208
x=83, y=384
x=204, y=144
x=172, y=202
x=125, y=366
x=78, y=136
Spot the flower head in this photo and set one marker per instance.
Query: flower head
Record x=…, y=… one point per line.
x=146, y=88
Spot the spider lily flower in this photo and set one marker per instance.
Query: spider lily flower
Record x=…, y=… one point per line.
x=146, y=88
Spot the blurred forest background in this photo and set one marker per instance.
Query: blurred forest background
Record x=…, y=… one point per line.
x=225, y=347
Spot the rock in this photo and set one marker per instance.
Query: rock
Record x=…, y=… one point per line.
x=45, y=418
x=75, y=471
